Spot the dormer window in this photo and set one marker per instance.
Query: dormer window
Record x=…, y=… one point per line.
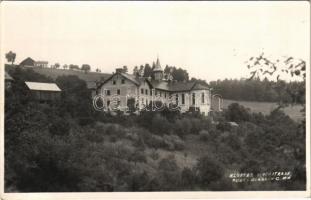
x=113, y=82
x=122, y=81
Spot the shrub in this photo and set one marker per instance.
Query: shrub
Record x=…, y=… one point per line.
x=209, y=170
x=160, y=125
x=93, y=136
x=168, y=164
x=154, y=155
x=182, y=127
x=59, y=126
x=154, y=141
x=138, y=156
x=174, y=142
x=237, y=113
x=188, y=179
x=204, y=135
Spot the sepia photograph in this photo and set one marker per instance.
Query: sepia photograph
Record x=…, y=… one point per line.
x=165, y=96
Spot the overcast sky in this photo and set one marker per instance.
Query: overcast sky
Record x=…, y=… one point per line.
x=211, y=40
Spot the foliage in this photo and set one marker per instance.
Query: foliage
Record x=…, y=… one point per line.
x=260, y=90
x=86, y=68
x=10, y=56
x=80, y=157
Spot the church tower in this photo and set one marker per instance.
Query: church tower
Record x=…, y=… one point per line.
x=157, y=71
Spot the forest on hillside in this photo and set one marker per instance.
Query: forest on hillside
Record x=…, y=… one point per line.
x=68, y=146
x=260, y=90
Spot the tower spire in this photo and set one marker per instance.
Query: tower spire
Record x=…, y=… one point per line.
x=157, y=71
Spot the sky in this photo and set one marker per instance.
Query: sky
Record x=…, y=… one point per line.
x=211, y=40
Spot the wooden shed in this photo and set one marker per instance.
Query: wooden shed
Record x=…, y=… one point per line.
x=44, y=92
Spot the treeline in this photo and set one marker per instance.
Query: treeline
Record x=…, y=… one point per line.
x=67, y=146
x=260, y=90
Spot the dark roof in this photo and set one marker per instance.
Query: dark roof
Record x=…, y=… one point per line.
x=130, y=77
x=177, y=86
x=161, y=85
x=181, y=86
x=28, y=61
x=199, y=86
x=8, y=77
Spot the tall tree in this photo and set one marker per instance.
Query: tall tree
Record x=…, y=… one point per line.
x=10, y=56
x=65, y=66
x=86, y=68
x=135, y=71
x=147, y=70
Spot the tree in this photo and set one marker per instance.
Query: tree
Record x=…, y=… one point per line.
x=72, y=66
x=65, y=66
x=125, y=69
x=135, y=71
x=147, y=70
x=57, y=65
x=86, y=68
x=262, y=66
x=141, y=71
x=237, y=113
x=10, y=56
x=209, y=170
x=98, y=70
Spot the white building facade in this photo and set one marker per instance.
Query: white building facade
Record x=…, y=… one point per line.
x=185, y=96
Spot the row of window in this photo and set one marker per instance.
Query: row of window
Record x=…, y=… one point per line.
x=176, y=97
x=115, y=82
x=193, y=98
x=108, y=93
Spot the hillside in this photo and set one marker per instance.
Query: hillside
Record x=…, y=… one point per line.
x=267, y=107
x=87, y=151
x=54, y=73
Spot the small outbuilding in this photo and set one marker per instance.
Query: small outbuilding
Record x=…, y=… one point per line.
x=28, y=62
x=44, y=92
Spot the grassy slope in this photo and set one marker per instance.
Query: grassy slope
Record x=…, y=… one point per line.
x=267, y=107
x=54, y=73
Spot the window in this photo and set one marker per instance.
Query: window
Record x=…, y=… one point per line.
x=108, y=92
x=108, y=103
x=123, y=81
x=160, y=94
x=142, y=91
x=193, y=98
x=164, y=94
x=146, y=102
x=146, y=91
x=183, y=98
x=142, y=101
x=202, y=97
x=150, y=92
x=176, y=98
x=118, y=91
x=156, y=92
x=113, y=82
